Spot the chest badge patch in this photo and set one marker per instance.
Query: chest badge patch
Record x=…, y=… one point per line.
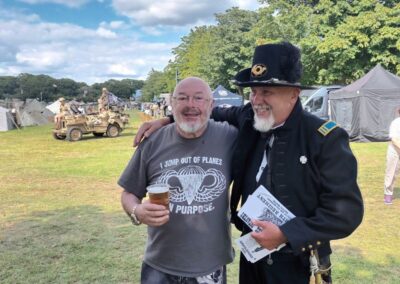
x=303, y=160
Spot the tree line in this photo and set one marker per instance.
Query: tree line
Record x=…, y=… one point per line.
x=48, y=89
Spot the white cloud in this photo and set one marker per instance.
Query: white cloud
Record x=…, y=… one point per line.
x=40, y=59
x=114, y=25
x=246, y=4
x=71, y=51
x=177, y=12
x=122, y=69
x=69, y=3
x=112, y=50
x=154, y=31
x=161, y=12
x=106, y=33
x=13, y=14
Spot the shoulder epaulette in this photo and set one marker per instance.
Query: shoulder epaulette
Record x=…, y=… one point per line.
x=327, y=127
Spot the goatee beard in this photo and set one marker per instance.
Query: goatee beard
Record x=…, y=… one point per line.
x=189, y=128
x=263, y=124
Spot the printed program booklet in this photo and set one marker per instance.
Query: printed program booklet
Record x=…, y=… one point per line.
x=261, y=205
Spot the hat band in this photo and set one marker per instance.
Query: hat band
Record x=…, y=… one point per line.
x=274, y=81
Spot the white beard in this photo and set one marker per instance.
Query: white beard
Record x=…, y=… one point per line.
x=263, y=124
x=189, y=127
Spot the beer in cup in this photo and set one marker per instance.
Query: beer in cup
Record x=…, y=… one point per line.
x=158, y=194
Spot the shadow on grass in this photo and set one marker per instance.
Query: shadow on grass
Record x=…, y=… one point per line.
x=77, y=244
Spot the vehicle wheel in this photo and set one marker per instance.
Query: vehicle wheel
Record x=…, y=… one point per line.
x=112, y=131
x=58, y=136
x=74, y=134
x=97, y=134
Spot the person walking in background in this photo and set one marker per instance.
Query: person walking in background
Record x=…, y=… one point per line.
x=306, y=163
x=392, y=158
x=191, y=242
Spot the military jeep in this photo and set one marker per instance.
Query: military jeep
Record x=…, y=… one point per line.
x=72, y=127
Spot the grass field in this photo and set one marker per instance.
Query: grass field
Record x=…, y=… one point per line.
x=61, y=220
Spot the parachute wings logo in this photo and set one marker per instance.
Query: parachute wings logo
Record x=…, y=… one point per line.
x=193, y=183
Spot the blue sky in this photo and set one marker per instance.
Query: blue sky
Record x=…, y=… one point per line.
x=97, y=40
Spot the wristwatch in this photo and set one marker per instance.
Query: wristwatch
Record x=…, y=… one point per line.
x=134, y=218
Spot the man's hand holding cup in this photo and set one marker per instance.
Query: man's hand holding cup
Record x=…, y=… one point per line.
x=155, y=211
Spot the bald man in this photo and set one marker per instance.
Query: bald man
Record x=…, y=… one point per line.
x=190, y=241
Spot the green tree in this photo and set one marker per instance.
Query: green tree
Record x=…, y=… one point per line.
x=171, y=75
x=214, y=52
x=8, y=85
x=35, y=86
x=370, y=36
x=192, y=53
x=228, y=54
x=127, y=87
x=47, y=88
x=67, y=88
x=122, y=89
x=155, y=84
x=340, y=40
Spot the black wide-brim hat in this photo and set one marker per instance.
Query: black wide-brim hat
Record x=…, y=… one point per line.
x=276, y=65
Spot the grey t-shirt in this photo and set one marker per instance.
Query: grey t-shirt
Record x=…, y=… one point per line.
x=197, y=239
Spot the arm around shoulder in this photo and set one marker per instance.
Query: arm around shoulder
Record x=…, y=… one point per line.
x=148, y=127
x=231, y=115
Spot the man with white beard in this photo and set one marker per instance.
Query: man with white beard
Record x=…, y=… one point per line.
x=304, y=162
x=188, y=240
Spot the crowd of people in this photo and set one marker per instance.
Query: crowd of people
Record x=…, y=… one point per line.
x=157, y=109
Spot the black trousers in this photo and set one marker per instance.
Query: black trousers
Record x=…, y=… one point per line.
x=285, y=269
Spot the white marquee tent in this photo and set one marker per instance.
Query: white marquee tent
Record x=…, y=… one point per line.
x=6, y=119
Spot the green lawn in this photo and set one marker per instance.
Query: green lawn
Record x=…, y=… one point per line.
x=61, y=220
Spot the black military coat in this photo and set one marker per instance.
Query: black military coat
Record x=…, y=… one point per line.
x=312, y=173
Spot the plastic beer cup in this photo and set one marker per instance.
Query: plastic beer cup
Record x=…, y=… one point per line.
x=158, y=194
